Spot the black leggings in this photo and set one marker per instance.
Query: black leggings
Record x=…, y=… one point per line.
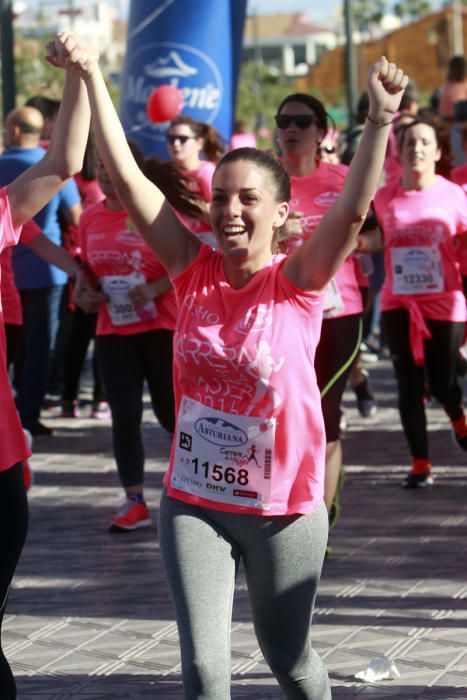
x=440, y=369
x=13, y=529
x=335, y=354
x=125, y=361
x=83, y=328
x=14, y=342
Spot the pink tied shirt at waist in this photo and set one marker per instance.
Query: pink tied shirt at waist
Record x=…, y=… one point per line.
x=249, y=354
x=13, y=447
x=424, y=225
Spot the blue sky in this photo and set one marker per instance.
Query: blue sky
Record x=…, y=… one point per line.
x=316, y=9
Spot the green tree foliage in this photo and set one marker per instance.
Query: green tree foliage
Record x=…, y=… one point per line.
x=33, y=75
x=368, y=12
x=259, y=93
x=412, y=9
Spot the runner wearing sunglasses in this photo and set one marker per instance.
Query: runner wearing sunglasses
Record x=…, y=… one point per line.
x=302, y=125
x=187, y=140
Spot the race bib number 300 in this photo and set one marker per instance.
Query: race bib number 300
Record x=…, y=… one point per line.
x=121, y=310
x=223, y=457
x=416, y=270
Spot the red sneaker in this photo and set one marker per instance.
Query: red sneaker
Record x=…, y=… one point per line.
x=420, y=477
x=459, y=432
x=131, y=516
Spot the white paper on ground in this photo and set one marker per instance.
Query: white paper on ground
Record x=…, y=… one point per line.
x=379, y=669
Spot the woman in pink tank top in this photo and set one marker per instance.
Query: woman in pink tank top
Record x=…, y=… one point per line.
x=302, y=125
x=246, y=475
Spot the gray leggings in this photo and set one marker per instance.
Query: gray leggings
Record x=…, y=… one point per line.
x=282, y=557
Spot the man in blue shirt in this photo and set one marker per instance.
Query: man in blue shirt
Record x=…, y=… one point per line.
x=40, y=285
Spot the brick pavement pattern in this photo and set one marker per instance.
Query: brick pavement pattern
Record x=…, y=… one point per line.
x=89, y=615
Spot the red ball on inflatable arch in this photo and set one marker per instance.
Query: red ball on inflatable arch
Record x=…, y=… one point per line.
x=165, y=103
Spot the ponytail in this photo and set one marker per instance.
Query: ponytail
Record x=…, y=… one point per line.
x=212, y=145
x=168, y=177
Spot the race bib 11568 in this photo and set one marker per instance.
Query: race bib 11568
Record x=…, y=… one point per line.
x=223, y=457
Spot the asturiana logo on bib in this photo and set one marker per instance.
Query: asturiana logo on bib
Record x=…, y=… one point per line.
x=190, y=70
x=325, y=199
x=220, y=432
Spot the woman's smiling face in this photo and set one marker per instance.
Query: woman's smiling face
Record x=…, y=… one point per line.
x=244, y=211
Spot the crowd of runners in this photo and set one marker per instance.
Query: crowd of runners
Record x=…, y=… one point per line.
x=243, y=287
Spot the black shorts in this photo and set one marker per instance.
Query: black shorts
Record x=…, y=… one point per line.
x=338, y=346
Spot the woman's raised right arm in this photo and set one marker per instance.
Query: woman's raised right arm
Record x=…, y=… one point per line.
x=152, y=216
x=31, y=190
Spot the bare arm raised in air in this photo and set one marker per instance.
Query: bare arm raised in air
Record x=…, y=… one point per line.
x=317, y=260
x=152, y=216
x=37, y=185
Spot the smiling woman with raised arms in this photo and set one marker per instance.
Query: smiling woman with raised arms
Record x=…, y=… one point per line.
x=245, y=481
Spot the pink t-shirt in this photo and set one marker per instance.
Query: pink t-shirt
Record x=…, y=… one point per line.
x=89, y=191
x=201, y=183
x=313, y=195
x=459, y=176
x=13, y=446
x=120, y=258
x=422, y=253
x=11, y=301
x=244, y=372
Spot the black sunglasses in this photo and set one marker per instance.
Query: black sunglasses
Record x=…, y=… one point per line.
x=301, y=121
x=172, y=138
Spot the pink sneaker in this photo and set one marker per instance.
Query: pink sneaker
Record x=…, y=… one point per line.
x=101, y=410
x=131, y=516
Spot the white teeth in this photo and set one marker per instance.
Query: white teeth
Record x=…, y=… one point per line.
x=233, y=229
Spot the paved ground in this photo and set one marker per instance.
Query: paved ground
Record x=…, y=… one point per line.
x=89, y=615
